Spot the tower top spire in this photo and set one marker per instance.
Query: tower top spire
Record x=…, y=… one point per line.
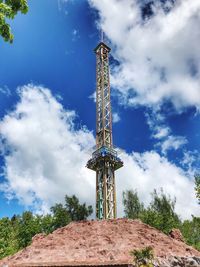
x=102, y=36
x=102, y=43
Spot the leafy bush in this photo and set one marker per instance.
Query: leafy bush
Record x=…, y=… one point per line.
x=143, y=257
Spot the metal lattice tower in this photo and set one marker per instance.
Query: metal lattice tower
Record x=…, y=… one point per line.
x=104, y=159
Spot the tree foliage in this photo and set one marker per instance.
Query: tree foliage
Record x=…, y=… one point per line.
x=8, y=241
x=60, y=216
x=76, y=211
x=133, y=208
x=17, y=232
x=28, y=226
x=191, y=231
x=8, y=10
x=160, y=213
x=143, y=257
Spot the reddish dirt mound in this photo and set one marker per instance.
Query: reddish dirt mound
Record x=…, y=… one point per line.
x=97, y=243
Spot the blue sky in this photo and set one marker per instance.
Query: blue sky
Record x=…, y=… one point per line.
x=47, y=79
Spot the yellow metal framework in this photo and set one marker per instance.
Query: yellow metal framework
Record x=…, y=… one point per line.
x=104, y=159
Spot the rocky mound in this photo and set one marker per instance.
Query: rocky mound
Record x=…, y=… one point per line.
x=105, y=242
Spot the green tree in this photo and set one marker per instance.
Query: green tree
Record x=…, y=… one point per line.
x=77, y=211
x=191, y=232
x=71, y=211
x=46, y=224
x=17, y=232
x=61, y=216
x=133, y=208
x=29, y=225
x=161, y=213
x=8, y=244
x=8, y=10
x=197, y=187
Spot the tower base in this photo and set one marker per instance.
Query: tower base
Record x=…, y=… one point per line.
x=105, y=162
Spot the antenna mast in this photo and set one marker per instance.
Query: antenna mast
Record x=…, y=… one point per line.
x=102, y=36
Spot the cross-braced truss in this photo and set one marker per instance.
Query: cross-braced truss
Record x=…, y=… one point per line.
x=104, y=160
x=103, y=108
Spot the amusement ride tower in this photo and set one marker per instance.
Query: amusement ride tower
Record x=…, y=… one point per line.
x=104, y=159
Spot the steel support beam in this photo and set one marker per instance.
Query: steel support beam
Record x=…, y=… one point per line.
x=104, y=160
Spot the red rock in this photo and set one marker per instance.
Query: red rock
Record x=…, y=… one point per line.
x=176, y=234
x=97, y=242
x=38, y=237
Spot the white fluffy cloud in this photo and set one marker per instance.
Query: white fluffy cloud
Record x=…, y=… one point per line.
x=162, y=133
x=116, y=118
x=45, y=157
x=172, y=142
x=159, y=57
x=149, y=170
